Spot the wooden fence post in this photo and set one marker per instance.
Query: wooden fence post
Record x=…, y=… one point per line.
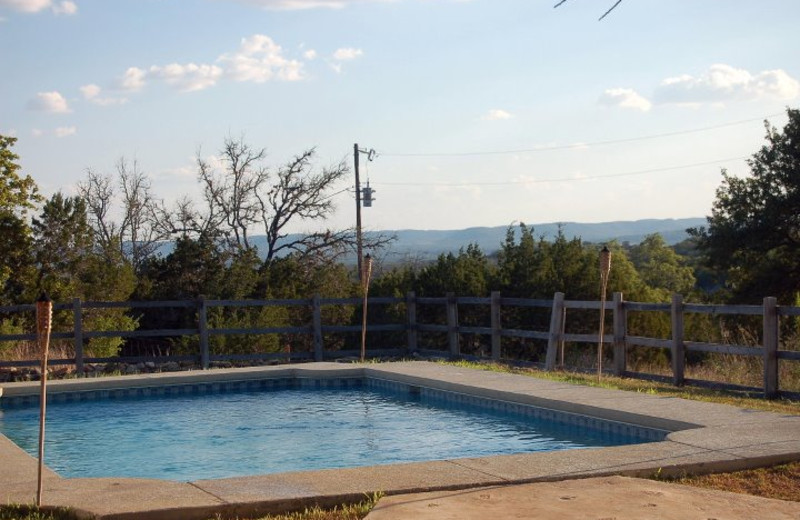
x=452, y=324
x=771, y=338
x=620, y=330
x=202, y=328
x=556, y=318
x=562, y=344
x=316, y=312
x=496, y=326
x=77, y=319
x=678, y=347
x=411, y=315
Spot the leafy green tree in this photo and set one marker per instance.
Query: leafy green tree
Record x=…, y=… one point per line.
x=297, y=276
x=531, y=268
x=465, y=274
x=193, y=268
x=569, y=266
x=17, y=271
x=519, y=264
x=753, y=232
x=395, y=282
x=70, y=265
x=63, y=244
x=18, y=195
x=660, y=266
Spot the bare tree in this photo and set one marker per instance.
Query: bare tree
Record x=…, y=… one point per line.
x=98, y=193
x=246, y=195
x=231, y=196
x=140, y=227
x=300, y=194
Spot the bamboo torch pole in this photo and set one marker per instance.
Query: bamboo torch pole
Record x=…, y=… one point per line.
x=605, y=269
x=44, y=320
x=367, y=268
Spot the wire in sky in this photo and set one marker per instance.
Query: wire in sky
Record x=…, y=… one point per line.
x=577, y=145
x=332, y=195
x=566, y=179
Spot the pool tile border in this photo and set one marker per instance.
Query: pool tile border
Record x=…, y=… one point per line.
x=580, y=421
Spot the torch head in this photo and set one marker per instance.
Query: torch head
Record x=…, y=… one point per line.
x=366, y=270
x=44, y=312
x=605, y=261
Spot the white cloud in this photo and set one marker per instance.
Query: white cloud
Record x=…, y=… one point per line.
x=65, y=131
x=624, y=98
x=133, y=79
x=347, y=54
x=724, y=83
x=187, y=78
x=26, y=6
x=260, y=59
x=36, y=132
x=497, y=114
x=344, y=54
x=65, y=7
x=92, y=92
x=776, y=83
x=49, y=102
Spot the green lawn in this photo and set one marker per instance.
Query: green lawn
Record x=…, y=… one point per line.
x=738, y=399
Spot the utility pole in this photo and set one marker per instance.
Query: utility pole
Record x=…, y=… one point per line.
x=359, y=249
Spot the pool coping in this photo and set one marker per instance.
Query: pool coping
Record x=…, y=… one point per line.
x=705, y=437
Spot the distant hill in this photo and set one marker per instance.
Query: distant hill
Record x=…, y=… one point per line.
x=428, y=244
x=431, y=243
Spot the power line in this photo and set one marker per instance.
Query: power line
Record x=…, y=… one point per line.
x=567, y=179
x=578, y=145
x=332, y=195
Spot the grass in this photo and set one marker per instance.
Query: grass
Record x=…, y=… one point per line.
x=738, y=399
x=27, y=512
x=780, y=482
x=343, y=512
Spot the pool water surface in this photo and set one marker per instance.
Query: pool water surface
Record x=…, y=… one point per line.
x=251, y=432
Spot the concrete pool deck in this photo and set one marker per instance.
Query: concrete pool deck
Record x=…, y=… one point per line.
x=706, y=437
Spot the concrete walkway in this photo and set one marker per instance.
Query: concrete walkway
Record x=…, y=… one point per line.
x=605, y=498
x=706, y=437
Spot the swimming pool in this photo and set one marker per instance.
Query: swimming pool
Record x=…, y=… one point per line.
x=209, y=430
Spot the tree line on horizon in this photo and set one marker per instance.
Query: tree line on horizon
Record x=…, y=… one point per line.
x=100, y=245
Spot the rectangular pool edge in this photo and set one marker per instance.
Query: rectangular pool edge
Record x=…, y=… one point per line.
x=339, y=380
x=328, y=370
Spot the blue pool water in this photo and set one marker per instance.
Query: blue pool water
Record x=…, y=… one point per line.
x=249, y=432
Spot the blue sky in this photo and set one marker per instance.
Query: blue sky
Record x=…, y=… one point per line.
x=483, y=112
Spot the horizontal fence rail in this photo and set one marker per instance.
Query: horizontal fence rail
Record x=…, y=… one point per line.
x=555, y=336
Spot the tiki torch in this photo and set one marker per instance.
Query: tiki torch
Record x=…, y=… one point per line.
x=605, y=270
x=365, y=275
x=44, y=322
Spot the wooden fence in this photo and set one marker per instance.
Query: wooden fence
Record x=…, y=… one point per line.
x=619, y=340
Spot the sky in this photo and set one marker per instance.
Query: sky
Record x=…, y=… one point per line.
x=481, y=112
